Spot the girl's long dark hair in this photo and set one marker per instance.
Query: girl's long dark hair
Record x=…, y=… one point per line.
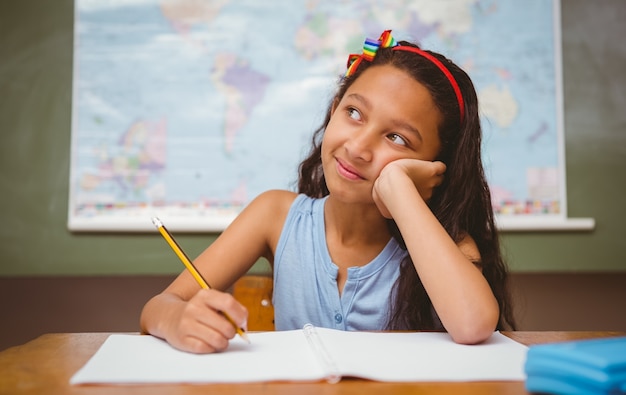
x=462, y=203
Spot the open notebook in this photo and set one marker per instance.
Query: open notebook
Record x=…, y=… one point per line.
x=309, y=354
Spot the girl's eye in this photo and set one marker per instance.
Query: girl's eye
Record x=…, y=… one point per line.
x=397, y=139
x=354, y=114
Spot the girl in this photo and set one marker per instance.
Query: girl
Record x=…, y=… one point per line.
x=392, y=227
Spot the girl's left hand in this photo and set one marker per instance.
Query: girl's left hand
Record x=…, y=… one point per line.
x=423, y=175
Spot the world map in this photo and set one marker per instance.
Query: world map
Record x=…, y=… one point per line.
x=189, y=109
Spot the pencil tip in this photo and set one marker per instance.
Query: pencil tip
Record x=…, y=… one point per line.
x=244, y=336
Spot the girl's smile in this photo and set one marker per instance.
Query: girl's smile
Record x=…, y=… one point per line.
x=348, y=171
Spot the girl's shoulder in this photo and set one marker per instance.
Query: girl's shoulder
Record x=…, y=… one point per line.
x=271, y=207
x=276, y=199
x=270, y=210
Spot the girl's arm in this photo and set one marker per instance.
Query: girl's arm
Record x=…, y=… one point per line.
x=187, y=316
x=459, y=292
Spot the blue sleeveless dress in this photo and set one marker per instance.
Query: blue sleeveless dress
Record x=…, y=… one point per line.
x=305, y=278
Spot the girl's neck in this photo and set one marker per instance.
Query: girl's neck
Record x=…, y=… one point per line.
x=355, y=235
x=352, y=223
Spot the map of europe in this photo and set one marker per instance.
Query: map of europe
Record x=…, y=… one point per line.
x=190, y=109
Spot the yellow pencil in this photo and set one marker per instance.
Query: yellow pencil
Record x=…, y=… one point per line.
x=192, y=269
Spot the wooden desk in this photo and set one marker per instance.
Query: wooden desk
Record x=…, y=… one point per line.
x=45, y=365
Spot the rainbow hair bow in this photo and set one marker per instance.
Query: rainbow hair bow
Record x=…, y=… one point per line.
x=370, y=47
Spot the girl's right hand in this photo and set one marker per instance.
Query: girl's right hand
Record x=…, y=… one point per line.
x=199, y=325
x=422, y=175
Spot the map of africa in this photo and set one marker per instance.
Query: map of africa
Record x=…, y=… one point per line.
x=190, y=109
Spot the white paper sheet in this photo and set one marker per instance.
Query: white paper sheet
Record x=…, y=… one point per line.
x=287, y=356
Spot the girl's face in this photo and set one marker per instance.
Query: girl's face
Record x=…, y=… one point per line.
x=385, y=115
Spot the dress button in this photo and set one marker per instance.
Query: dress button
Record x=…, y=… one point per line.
x=338, y=318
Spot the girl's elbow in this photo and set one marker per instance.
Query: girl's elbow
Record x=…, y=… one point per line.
x=474, y=336
x=476, y=331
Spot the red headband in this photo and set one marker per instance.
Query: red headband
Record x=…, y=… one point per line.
x=385, y=41
x=444, y=69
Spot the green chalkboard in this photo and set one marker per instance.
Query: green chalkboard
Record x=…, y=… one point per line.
x=35, y=125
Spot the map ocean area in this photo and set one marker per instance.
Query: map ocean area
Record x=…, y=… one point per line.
x=191, y=109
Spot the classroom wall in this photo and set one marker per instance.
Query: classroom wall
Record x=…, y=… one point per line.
x=36, y=40
x=565, y=280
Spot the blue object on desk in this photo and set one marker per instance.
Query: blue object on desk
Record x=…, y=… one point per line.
x=580, y=367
